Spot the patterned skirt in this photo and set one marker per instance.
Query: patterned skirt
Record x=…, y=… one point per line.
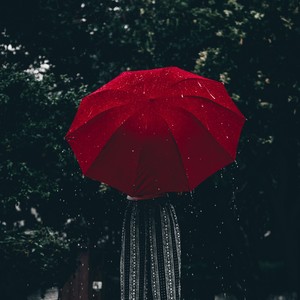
x=150, y=265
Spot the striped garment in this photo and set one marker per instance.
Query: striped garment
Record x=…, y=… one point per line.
x=150, y=265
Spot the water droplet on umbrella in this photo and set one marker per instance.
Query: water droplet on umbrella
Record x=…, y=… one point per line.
x=211, y=94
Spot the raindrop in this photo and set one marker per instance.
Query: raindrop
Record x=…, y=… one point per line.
x=236, y=163
x=192, y=194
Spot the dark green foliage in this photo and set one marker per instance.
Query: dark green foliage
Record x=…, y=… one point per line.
x=33, y=259
x=42, y=189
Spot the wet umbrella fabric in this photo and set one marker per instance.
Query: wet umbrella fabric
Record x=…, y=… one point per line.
x=154, y=131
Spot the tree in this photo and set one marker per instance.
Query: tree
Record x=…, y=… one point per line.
x=262, y=59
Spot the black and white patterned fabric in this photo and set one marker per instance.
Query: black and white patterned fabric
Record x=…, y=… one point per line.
x=150, y=266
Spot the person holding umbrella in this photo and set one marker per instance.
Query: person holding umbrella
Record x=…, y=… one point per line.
x=151, y=256
x=148, y=133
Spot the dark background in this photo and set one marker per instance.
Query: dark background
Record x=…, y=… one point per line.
x=240, y=228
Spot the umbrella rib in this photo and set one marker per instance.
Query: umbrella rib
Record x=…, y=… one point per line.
x=177, y=147
x=93, y=118
x=201, y=125
x=114, y=133
x=136, y=171
x=218, y=104
x=205, y=98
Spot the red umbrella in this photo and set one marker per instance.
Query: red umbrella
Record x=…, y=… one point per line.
x=154, y=131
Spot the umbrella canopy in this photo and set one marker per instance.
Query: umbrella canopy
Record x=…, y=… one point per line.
x=153, y=131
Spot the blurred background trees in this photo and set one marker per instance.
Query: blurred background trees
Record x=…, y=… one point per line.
x=240, y=228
